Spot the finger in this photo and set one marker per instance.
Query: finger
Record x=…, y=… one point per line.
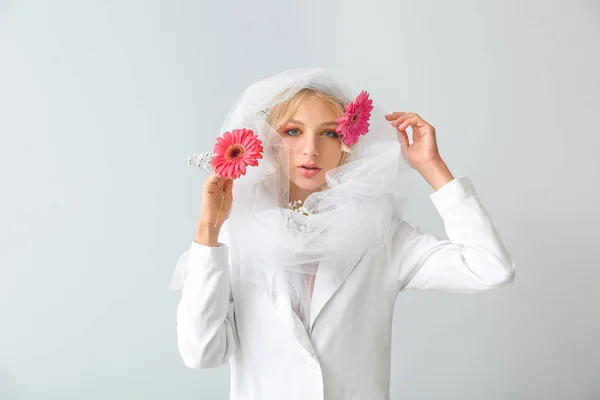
x=216, y=183
x=404, y=144
x=212, y=181
x=214, y=178
x=402, y=118
x=414, y=122
x=406, y=122
x=223, y=186
x=394, y=115
x=226, y=187
x=403, y=139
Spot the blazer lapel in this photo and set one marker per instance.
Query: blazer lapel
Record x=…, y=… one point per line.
x=283, y=308
x=329, y=279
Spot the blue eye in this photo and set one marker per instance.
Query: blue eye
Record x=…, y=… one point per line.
x=331, y=134
x=292, y=132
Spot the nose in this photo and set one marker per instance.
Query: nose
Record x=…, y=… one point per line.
x=310, y=145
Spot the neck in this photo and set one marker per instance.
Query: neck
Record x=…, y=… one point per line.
x=297, y=193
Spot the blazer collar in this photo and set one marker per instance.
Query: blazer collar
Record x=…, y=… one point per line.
x=329, y=278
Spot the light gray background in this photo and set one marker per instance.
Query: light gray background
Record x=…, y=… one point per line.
x=101, y=102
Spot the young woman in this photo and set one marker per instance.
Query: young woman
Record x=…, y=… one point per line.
x=296, y=290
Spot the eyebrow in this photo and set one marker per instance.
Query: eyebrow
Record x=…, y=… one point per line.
x=296, y=122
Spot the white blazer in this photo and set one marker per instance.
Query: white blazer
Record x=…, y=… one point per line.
x=346, y=352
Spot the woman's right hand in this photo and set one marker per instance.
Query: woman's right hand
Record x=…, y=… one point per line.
x=215, y=190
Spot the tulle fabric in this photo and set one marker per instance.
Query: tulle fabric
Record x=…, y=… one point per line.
x=353, y=212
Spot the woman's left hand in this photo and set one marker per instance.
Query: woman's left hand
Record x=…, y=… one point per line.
x=422, y=154
x=423, y=150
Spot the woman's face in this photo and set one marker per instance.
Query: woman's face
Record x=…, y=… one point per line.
x=314, y=146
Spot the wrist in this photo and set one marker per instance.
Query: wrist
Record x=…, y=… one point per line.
x=436, y=173
x=207, y=235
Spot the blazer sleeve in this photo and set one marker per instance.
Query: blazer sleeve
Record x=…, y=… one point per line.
x=472, y=259
x=206, y=330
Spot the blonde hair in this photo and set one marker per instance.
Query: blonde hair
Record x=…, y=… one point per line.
x=283, y=111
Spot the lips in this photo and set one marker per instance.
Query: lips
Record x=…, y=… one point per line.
x=308, y=170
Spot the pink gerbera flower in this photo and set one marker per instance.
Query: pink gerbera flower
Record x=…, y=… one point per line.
x=234, y=151
x=355, y=121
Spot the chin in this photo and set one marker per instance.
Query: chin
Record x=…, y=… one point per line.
x=308, y=184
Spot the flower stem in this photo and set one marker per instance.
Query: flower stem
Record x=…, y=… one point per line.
x=220, y=208
x=223, y=196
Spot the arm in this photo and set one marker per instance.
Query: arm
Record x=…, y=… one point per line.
x=472, y=259
x=205, y=314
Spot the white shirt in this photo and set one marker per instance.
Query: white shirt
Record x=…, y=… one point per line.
x=346, y=352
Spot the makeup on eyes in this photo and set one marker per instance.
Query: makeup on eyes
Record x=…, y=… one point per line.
x=333, y=132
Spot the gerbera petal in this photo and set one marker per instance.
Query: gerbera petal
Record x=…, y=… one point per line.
x=355, y=123
x=235, y=150
x=217, y=161
x=226, y=139
x=237, y=135
x=248, y=140
x=219, y=170
x=223, y=143
x=228, y=169
x=242, y=168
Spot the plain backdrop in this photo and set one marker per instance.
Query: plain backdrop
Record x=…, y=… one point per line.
x=101, y=102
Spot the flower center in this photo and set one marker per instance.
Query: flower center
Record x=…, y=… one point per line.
x=234, y=152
